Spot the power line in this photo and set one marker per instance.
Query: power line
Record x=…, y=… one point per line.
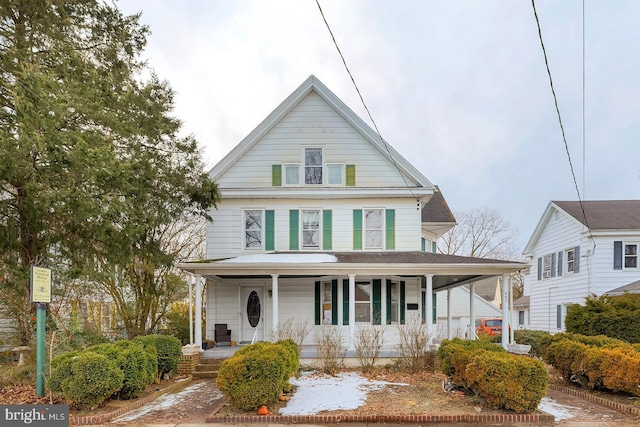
x=335, y=43
x=555, y=100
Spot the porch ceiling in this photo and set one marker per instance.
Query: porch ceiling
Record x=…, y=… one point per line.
x=448, y=270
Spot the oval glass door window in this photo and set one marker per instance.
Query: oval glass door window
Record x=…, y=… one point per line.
x=253, y=309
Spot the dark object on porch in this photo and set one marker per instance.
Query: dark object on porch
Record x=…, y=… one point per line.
x=222, y=334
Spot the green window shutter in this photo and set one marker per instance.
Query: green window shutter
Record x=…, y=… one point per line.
x=351, y=175
x=388, y=302
x=334, y=302
x=276, y=175
x=402, y=302
x=326, y=230
x=345, y=301
x=377, y=302
x=434, y=247
x=423, y=241
x=269, y=243
x=390, y=225
x=434, y=307
x=294, y=223
x=318, y=303
x=357, y=229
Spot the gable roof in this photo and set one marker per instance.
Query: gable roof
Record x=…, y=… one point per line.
x=602, y=215
x=632, y=288
x=313, y=84
x=437, y=209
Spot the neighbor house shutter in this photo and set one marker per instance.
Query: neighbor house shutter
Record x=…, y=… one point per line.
x=560, y=263
x=390, y=226
x=269, y=241
x=388, y=302
x=402, y=302
x=434, y=247
x=326, y=230
x=318, y=304
x=345, y=301
x=334, y=302
x=553, y=264
x=357, y=229
x=617, y=255
x=276, y=175
x=377, y=302
x=576, y=259
x=351, y=175
x=294, y=223
x=539, y=268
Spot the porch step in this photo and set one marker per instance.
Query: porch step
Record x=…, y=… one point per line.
x=207, y=368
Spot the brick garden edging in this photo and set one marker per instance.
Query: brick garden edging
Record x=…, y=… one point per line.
x=616, y=406
x=105, y=418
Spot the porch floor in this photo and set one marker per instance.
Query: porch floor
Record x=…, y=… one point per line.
x=306, y=352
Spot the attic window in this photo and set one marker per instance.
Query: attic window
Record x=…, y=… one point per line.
x=313, y=165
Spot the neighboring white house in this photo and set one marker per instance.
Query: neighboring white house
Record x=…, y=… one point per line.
x=322, y=221
x=577, y=250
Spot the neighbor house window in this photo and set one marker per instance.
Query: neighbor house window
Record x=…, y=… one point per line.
x=327, y=303
x=373, y=229
x=253, y=229
x=571, y=259
x=363, y=302
x=546, y=266
x=311, y=229
x=291, y=174
x=631, y=255
x=313, y=165
x=521, y=317
x=335, y=174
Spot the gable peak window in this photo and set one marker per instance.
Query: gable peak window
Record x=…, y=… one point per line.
x=291, y=174
x=313, y=165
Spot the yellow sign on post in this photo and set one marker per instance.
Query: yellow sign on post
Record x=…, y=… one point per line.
x=40, y=284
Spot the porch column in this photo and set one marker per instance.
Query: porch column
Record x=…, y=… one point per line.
x=428, y=301
x=505, y=310
x=198, y=327
x=191, y=282
x=274, y=302
x=511, y=332
x=449, y=315
x=352, y=311
x=472, y=311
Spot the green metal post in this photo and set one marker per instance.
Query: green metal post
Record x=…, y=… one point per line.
x=41, y=314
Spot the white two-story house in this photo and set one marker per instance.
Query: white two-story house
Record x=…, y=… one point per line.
x=322, y=221
x=578, y=250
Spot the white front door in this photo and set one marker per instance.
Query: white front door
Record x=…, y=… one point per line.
x=252, y=309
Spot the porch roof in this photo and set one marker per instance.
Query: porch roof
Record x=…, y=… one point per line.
x=449, y=270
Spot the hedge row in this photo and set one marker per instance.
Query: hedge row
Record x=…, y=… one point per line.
x=125, y=368
x=599, y=363
x=504, y=380
x=616, y=316
x=258, y=374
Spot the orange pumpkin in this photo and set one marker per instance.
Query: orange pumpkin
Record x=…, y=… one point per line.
x=263, y=410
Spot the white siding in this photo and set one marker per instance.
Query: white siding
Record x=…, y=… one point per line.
x=225, y=239
x=312, y=122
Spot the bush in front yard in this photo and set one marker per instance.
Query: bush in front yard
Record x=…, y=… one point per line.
x=86, y=380
x=507, y=381
x=530, y=337
x=168, y=349
x=138, y=364
x=253, y=378
x=455, y=354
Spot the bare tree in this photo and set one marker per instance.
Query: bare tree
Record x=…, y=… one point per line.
x=481, y=233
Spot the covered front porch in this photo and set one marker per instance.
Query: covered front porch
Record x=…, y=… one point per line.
x=255, y=294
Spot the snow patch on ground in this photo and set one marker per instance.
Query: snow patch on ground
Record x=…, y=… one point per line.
x=316, y=392
x=559, y=411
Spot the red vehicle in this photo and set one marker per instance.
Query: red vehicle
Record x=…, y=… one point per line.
x=489, y=325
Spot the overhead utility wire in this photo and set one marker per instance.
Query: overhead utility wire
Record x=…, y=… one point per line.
x=564, y=138
x=362, y=100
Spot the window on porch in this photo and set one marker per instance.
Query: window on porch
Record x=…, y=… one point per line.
x=363, y=302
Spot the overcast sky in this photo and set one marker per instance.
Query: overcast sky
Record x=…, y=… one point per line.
x=459, y=88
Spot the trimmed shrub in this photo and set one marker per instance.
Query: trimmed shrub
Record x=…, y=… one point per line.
x=253, y=378
x=139, y=365
x=507, y=381
x=567, y=356
x=614, y=316
x=455, y=354
x=291, y=354
x=168, y=349
x=86, y=380
x=530, y=337
x=620, y=371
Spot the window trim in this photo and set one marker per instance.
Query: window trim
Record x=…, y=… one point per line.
x=244, y=229
x=304, y=165
x=319, y=229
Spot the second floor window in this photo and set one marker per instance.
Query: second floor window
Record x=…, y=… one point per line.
x=373, y=228
x=253, y=229
x=313, y=165
x=311, y=229
x=546, y=266
x=571, y=258
x=630, y=255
